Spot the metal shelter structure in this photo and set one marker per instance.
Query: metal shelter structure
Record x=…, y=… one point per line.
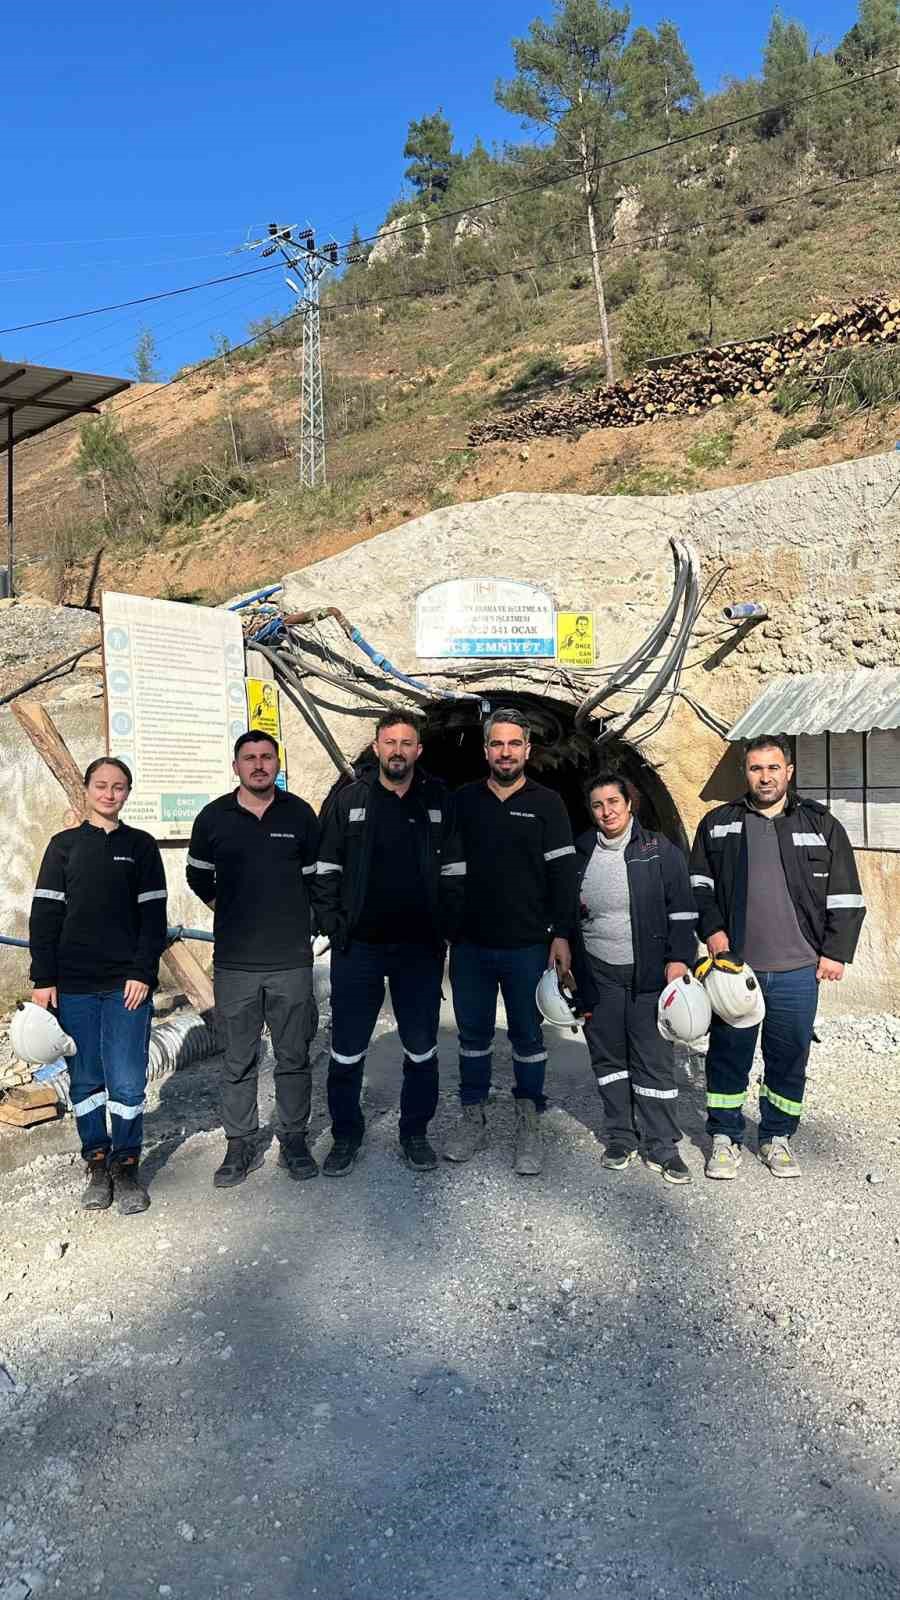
x=33, y=399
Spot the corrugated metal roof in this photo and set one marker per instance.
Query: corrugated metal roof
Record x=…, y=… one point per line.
x=825, y=702
x=36, y=398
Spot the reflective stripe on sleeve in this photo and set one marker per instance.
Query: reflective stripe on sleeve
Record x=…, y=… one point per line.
x=49, y=894
x=202, y=866
x=611, y=1077
x=152, y=894
x=453, y=869
x=92, y=1103
x=682, y=916
x=808, y=838
x=792, y=1107
x=307, y=870
x=127, y=1113
x=700, y=881
x=844, y=902
x=356, y=814
x=323, y=867
x=720, y=829
x=564, y=850
x=434, y=816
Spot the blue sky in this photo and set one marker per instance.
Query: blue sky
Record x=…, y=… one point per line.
x=142, y=143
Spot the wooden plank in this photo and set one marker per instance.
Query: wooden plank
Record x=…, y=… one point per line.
x=53, y=750
x=189, y=976
x=26, y=1116
x=28, y=1095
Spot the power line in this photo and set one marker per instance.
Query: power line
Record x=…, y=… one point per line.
x=650, y=241
x=142, y=300
x=638, y=155
x=480, y=205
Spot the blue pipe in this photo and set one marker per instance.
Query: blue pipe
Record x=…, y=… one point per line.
x=261, y=594
x=404, y=677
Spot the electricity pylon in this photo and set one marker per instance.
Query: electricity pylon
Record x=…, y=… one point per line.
x=310, y=264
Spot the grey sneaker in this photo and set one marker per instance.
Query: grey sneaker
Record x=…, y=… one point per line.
x=724, y=1159
x=777, y=1155
x=529, y=1156
x=469, y=1135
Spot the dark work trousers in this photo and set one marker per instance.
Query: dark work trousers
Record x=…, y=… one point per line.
x=635, y=1066
x=108, y=1074
x=791, y=999
x=284, y=1001
x=358, y=977
x=476, y=974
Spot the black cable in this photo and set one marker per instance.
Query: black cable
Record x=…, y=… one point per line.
x=143, y=300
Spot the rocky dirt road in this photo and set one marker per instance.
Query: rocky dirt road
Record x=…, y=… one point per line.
x=467, y=1385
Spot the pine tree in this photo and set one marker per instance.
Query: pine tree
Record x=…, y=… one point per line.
x=145, y=358
x=429, y=143
x=661, y=85
x=571, y=80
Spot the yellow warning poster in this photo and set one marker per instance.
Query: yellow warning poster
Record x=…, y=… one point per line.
x=575, y=638
x=263, y=710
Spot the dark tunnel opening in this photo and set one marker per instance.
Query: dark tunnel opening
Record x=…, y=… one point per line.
x=562, y=757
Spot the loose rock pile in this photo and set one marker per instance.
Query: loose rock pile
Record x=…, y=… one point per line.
x=692, y=383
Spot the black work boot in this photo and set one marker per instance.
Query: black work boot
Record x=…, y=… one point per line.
x=131, y=1196
x=295, y=1157
x=418, y=1153
x=341, y=1157
x=241, y=1156
x=97, y=1196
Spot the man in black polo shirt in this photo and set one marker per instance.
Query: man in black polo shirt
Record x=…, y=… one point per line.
x=390, y=892
x=253, y=857
x=520, y=872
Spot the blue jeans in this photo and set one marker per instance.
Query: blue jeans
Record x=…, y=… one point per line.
x=358, y=974
x=476, y=974
x=109, y=1071
x=791, y=999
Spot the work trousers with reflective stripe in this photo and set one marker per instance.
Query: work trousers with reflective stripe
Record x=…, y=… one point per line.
x=476, y=974
x=791, y=999
x=283, y=1000
x=634, y=1065
x=358, y=978
x=108, y=1073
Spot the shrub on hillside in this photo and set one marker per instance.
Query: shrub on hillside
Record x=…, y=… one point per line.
x=199, y=492
x=650, y=327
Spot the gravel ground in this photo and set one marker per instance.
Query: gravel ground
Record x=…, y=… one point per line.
x=34, y=633
x=464, y=1385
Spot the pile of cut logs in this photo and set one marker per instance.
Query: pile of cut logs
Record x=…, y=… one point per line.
x=689, y=384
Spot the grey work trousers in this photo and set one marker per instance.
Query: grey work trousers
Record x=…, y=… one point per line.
x=284, y=1001
x=634, y=1065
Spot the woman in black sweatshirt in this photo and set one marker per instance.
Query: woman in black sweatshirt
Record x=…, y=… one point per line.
x=97, y=931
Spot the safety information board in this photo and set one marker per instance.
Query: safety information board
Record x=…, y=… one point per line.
x=264, y=716
x=175, y=703
x=575, y=638
x=487, y=617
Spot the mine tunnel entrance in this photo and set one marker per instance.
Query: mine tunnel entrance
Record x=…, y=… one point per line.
x=562, y=756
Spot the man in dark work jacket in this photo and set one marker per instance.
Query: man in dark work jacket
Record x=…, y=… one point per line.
x=390, y=892
x=252, y=856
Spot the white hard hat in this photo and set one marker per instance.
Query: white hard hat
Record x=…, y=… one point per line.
x=684, y=1012
x=36, y=1036
x=734, y=991
x=555, y=1006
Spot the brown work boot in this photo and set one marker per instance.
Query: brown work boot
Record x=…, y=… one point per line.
x=97, y=1194
x=131, y=1196
x=470, y=1134
x=529, y=1156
